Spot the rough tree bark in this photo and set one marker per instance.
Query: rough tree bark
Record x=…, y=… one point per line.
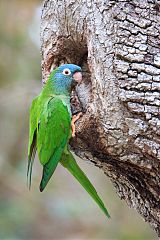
x=117, y=45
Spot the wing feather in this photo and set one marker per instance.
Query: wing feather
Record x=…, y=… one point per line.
x=32, y=138
x=53, y=134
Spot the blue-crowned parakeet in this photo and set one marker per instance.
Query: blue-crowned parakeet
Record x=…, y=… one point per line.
x=50, y=129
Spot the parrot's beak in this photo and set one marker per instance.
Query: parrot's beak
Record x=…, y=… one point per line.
x=77, y=76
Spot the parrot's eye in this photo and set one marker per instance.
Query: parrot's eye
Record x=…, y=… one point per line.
x=66, y=71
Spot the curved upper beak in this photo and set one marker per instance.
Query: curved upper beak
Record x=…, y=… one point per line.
x=77, y=76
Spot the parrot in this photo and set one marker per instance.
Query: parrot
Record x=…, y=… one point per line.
x=50, y=129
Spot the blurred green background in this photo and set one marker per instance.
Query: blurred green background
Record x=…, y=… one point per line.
x=64, y=210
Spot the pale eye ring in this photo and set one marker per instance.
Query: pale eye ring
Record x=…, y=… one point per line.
x=66, y=71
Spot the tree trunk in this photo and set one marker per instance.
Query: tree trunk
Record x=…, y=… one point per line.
x=117, y=45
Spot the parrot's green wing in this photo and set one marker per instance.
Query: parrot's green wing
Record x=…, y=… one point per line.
x=69, y=162
x=32, y=138
x=49, y=132
x=52, y=136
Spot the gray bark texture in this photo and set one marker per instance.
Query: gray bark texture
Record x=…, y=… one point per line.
x=117, y=43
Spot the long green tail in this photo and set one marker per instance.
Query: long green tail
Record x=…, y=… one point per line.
x=70, y=163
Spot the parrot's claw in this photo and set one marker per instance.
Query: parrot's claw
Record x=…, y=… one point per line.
x=74, y=119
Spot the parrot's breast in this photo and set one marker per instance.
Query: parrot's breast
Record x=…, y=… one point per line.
x=66, y=102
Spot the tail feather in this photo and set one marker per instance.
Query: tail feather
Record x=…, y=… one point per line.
x=70, y=163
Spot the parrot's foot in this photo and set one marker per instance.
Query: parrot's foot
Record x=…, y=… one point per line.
x=74, y=119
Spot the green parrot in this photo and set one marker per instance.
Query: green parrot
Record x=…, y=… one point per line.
x=50, y=129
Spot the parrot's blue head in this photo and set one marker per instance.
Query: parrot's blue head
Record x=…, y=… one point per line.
x=66, y=77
